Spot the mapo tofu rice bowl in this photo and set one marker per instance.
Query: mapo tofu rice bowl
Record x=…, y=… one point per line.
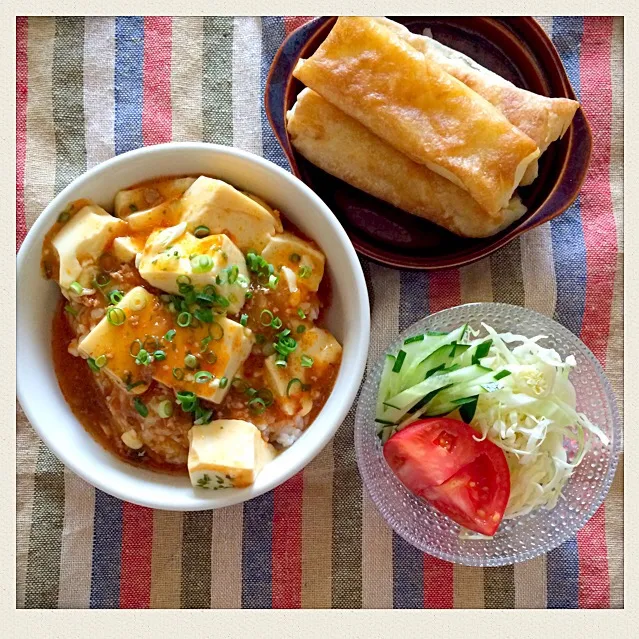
x=189, y=335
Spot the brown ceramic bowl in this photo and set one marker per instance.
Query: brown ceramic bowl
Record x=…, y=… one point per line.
x=517, y=49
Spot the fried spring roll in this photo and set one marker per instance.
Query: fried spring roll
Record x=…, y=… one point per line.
x=542, y=119
x=341, y=146
x=408, y=100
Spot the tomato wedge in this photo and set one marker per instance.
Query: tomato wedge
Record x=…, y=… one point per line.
x=440, y=460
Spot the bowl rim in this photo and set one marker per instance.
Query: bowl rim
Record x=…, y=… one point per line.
x=518, y=227
x=616, y=440
x=81, y=465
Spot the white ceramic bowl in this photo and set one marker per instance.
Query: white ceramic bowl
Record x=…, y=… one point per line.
x=38, y=391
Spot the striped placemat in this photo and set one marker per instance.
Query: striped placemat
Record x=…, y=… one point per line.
x=91, y=88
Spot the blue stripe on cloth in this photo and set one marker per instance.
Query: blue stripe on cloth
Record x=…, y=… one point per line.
x=107, y=552
x=107, y=537
x=569, y=248
x=562, y=576
x=129, y=58
x=408, y=561
x=257, y=552
x=273, y=33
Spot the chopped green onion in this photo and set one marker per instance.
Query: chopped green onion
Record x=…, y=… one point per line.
x=184, y=319
x=76, y=287
x=292, y=383
x=285, y=345
x=268, y=315
x=276, y=323
x=239, y=384
x=295, y=257
x=307, y=361
x=201, y=264
x=266, y=395
x=224, y=382
x=132, y=350
x=204, y=315
x=210, y=357
x=170, y=335
x=248, y=295
x=257, y=405
x=178, y=373
x=101, y=361
x=304, y=272
x=165, y=408
x=272, y=281
x=159, y=355
x=190, y=361
x=92, y=365
x=143, y=358
x=399, y=362
x=244, y=319
x=140, y=406
x=102, y=280
x=251, y=391
x=69, y=309
x=201, y=231
x=301, y=313
x=183, y=279
x=150, y=343
x=203, y=376
x=115, y=297
x=416, y=338
x=116, y=316
x=233, y=273
x=204, y=343
x=281, y=363
x=301, y=328
x=216, y=331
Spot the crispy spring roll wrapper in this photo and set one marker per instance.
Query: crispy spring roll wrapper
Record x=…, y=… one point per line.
x=408, y=100
x=542, y=119
x=343, y=147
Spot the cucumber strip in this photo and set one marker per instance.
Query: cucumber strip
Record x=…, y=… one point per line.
x=467, y=411
x=384, y=384
x=398, y=405
x=481, y=351
x=434, y=362
x=386, y=433
x=413, y=373
x=415, y=338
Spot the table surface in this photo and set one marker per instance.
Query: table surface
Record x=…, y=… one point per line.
x=91, y=88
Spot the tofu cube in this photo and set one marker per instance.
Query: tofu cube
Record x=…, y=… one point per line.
x=126, y=248
x=226, y=453
x=160, y=216
x=168, y=255
x=141, y=315
x=307, y=262
x=224, y=353
x=223, y=209
x=81, y=241
x=315, y=343
x=131, y=201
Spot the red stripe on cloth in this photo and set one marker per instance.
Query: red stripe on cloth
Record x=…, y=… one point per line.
x=438, y=583
x=601, y=253
x=137, y=545
x=293, y=22
x=22, y=90
x=156, y=111
x=287, y=544
x=444, y=290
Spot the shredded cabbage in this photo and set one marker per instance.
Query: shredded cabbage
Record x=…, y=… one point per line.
x=531, y=415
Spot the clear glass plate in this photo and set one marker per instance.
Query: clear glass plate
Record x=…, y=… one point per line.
x=518, y=539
